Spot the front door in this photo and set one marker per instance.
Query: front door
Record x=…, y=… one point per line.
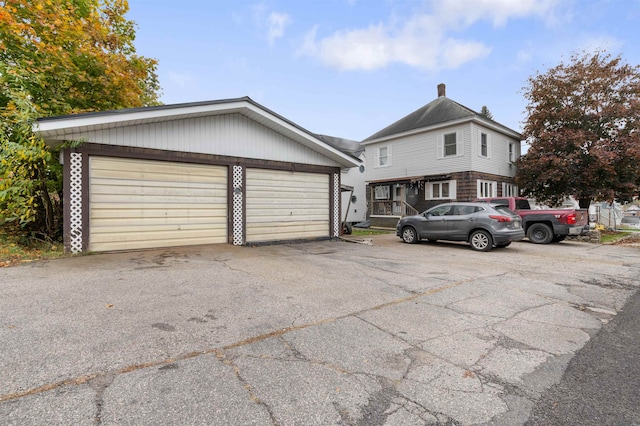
x=398, y=199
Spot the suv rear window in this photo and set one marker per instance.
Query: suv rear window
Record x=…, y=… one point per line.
x=506, y=210
x=501, y=201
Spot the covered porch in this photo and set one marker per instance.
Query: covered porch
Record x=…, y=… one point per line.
x=390, y=200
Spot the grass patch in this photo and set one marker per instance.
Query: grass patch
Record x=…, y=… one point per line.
x=361, y=232
x=610, y=237
x=15, y=248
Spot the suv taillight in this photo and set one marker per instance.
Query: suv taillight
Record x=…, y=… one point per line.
x=500, y=218
x=571, y=219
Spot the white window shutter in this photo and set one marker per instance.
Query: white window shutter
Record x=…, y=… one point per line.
x=389, y=157
x=452, y=190
x=440, y=148
x=459, y=145
x=427, y=190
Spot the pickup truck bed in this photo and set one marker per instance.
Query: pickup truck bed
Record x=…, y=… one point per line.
x=545, y=226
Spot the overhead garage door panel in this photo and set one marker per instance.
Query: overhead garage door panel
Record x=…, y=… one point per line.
x=285, y=205
x=143, y=204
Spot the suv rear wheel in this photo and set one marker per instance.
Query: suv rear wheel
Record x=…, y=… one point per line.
x=481, y=241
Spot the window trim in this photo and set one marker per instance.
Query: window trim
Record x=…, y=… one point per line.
x=444, y=144
x=382, y=192
x=488, y=145
x=441, y=148
x=428, y=193
x=493, y=187
x=378, y=156
x=509, y=190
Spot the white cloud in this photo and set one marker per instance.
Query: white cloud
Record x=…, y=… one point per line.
x=592, y=44
x=457, y=52
x=274, y=22
x=359, y=49
x=423, y=41
x=498, y=12
x=277, y=22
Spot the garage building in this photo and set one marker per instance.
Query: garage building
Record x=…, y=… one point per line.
x=227, y=171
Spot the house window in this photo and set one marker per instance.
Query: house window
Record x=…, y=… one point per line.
x=443, y=190
x=450, y=145
x=487, y=189
x=509, y=190
x=512, y=153
x=382, y=192
x=383, y=156
x=484, y=145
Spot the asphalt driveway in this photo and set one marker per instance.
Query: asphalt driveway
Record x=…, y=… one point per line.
x=316, y=333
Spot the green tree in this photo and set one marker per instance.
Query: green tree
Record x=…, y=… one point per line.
x=485, y=112
x=59, y=57
x=583, y=127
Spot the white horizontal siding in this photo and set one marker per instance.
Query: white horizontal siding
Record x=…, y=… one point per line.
x=355, y=178
x=137, y=204
x=286, y=205
x=229, y=135
x=498, y=161
x=417, y=155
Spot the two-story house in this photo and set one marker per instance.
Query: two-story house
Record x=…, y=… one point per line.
x=441, y=152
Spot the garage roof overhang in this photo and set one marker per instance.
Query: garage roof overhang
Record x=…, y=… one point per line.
x=56, y=130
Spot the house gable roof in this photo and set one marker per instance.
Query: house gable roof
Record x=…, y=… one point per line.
x=439, y=112
x=347, y=146
x=55, y=130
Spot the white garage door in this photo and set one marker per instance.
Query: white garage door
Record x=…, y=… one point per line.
x=143, y=204
x=285, y=205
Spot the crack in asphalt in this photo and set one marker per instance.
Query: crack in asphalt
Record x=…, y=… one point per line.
x=100, y=384
x=135, y=367
x=379, y=406
x=365, y=271
x=220, y=355
x=374, y=412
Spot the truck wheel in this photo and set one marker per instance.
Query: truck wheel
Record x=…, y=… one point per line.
x=539, y=233
x=409, y=235
x=481, y=241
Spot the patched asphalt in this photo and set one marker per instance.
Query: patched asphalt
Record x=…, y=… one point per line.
x=320, y=333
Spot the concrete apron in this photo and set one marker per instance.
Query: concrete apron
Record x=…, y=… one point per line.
x=319, y=333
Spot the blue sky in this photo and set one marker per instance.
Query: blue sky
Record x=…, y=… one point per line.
x=349, y=68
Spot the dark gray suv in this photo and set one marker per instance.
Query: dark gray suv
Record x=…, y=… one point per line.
x=482, y=225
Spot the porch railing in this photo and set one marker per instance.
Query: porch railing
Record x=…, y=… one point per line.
x=393, y=208
x=409, y=210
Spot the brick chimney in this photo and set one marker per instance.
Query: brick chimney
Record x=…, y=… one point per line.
x=442, y=90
